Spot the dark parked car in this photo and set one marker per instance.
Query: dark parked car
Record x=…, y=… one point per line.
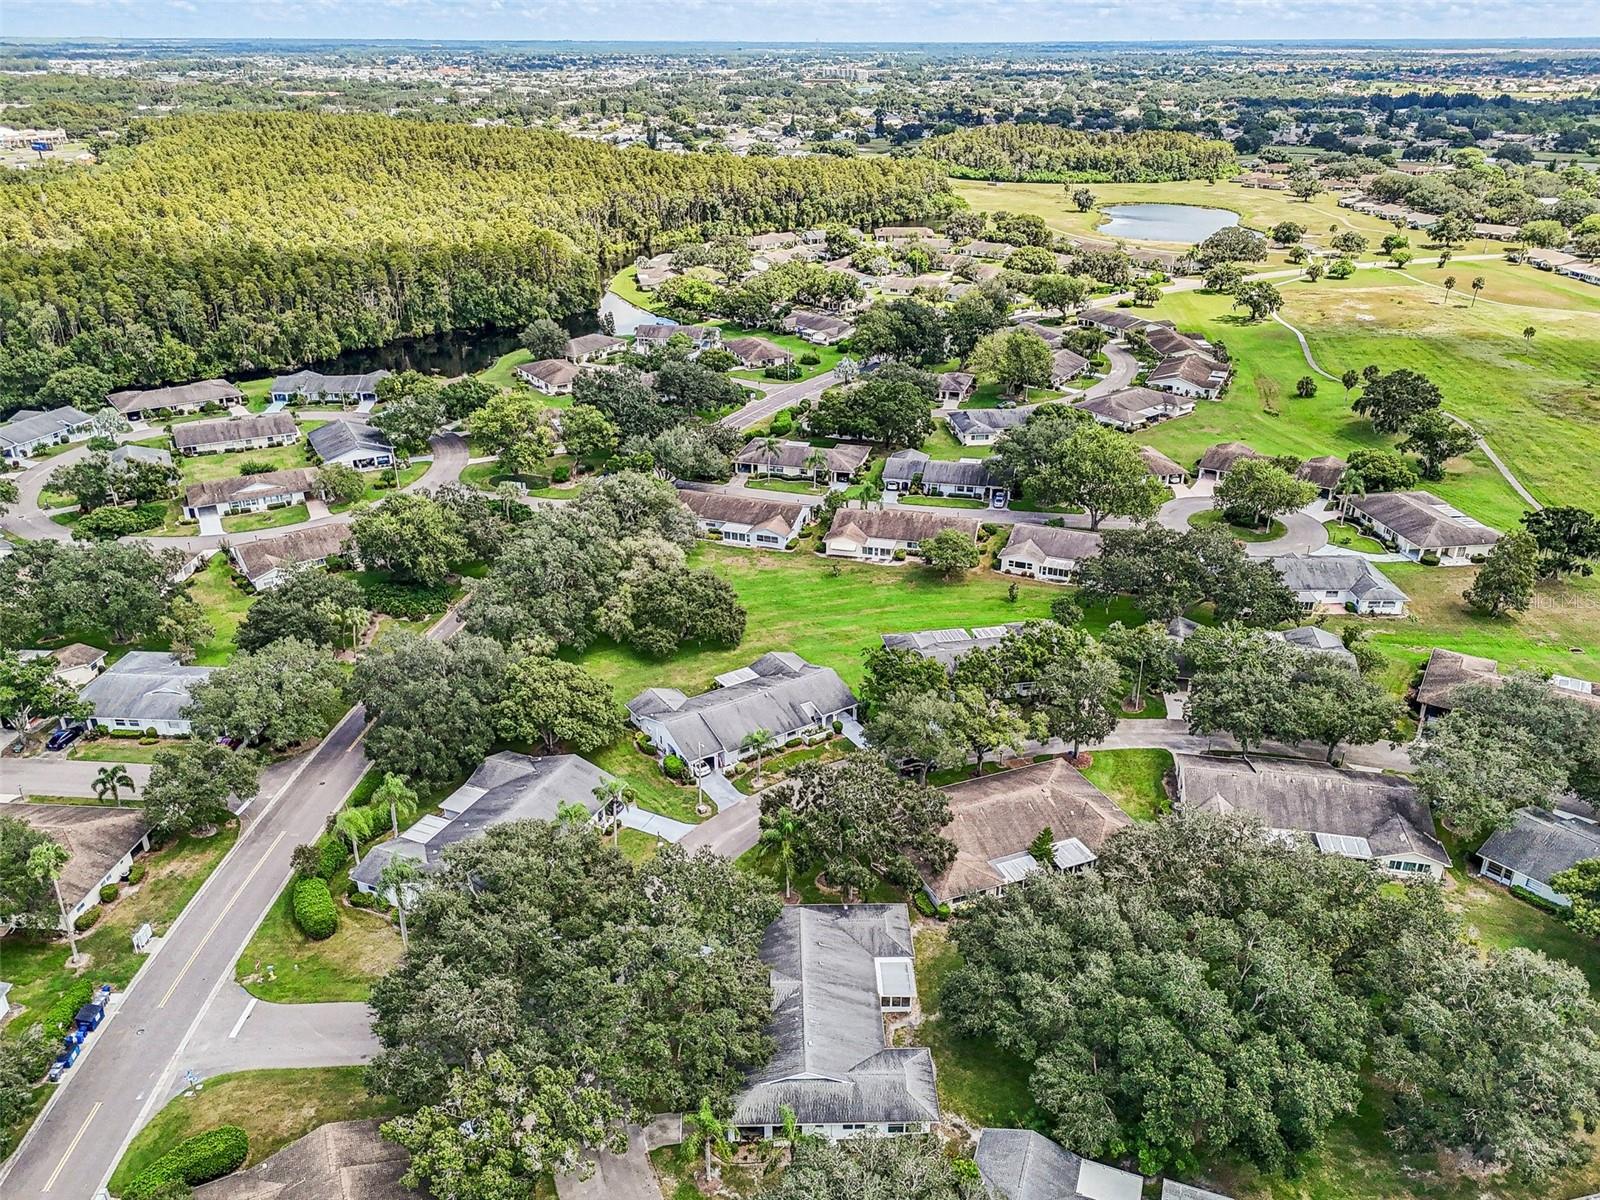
x=64, y=737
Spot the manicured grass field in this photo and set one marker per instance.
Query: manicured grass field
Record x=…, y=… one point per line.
x=381, y=484
x=1507, y=286
x=626, y=284
x=272, y=518
x=1211, y=518
x=1134, y=779
x=225, y=606
x=652, y=789
x=119, y=750
x=198, y=468
x=795, y=602
x=281, y=964
x=273, y=1108
x=828, y=356
x=942, y=502
x=798, y=487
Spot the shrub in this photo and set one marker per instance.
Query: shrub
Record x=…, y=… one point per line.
x=196, y=1160
x=360, y=899
x=313, y=909
x=810, y=358
x=137, y=874
x=899, y=556
x=675, y=767
x=838, y=726
x=332, y=854
x=87, y=920
x=409, y=601
x=1430, y=558
x=1538, y=901
x=57, y=1019
x=561, y=474
x=108, y=524
x=643, y=742
x=923, y=905
x=108, y=893
x=256, y=466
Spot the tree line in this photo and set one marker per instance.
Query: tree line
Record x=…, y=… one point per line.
x=1054, y=154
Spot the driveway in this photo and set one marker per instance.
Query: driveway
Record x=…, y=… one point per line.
x=656, y=825
x=720, y=791
x=53, y=774
x=625, y=1176
x=730, y=833
x=211, y=523
x=1124, y=366
x=1303, y=533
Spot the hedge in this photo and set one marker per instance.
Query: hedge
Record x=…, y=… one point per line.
x=108, y=524
x=137, y=874
x=200, y=1159
x=313, y=909
x=88, y=919
x=333, y=855
x=108, y=893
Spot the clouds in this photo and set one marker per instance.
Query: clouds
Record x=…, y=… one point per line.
x=821, y=20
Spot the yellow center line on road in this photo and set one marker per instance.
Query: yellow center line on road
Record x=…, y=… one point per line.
x=233, y=899
x=71, y=1146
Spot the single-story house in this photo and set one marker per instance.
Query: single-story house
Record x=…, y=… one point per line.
x=945, y=646
x=968, y=478
x=901, y=233
x=141, y=454
x=1582, y=272
x=757, y=352
x=703, y=337
x=979, y=248
x=1051, y=335
x=30, y=430
x=1449, y=670
x=249, y=493
x=551, y=376
x=505, y=787
x=837, y=971
x=1323, y=473
x=1169, y=343
x=820, y=329
x=353, y=443
x=267, y=562
x=983, y=426
x=187, y=398
x=1163, y=468
x=994, y=819
x=1115, y=321
x=772, y=241
x=875, y=535
x=746, y=520
x=1549, y=260
x=956, y=386
x=779, y=692
x=1496, y=233
x=316, y=388
x=144, y=689
x=1420, y=523
x=1214, y=463
x=100, y=844
x=587, y=347
x=344, y=1160
x=1314, y=639
x=650, y=278
x=1046, y=552
x=1539, y=845
x=1133, y=408
x=76, y=664
x=236, y=433
x=1339, y=582
x=1190, y=375
x=1065, y=366
x=793, y=460
x=904, y=285
x=1019, y=1164
x=1359, y=814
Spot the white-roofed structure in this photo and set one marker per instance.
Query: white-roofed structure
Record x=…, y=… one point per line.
x=1019, y=1164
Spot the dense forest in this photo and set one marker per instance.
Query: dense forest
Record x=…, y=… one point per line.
x=1053, y=154
x=224, y=244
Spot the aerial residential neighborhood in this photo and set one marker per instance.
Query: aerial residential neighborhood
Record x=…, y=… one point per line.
x=799, y=617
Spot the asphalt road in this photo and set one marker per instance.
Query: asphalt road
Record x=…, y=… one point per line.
x=765, y=407
x=51, y=774
x=128, y=1064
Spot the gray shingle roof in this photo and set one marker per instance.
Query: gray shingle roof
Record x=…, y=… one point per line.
x=1335, y=573
x=1224, y=454
x=593, y=343
x=782, y=692
x=846, y=457
x=1172, y=1190
x=1312, y=798
x=1423, y=520
x=143, y=685
x=1316, y=640
x=1448, y=670
x=242, y=487
x=311, y=544
x=312, y=384
x=148, y=454
x=1020, y=1164
x=1325, y=471
x=777, y=515
x=1131, y=405
x=31, y=425
x=994, y=420
x=505, y=787
x=342, y=437
x=96, y=838
x=345, y=1160
x=905, y=465
x=947, y=645
x=895, y=524
x=213, y=433
x=1035, y=543
x=1113, y=318
x=1542, y=844
x=832, y=1064
x=206, y=391
x=1159, y=465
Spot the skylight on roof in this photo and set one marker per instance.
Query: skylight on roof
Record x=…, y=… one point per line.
x=1341, y=843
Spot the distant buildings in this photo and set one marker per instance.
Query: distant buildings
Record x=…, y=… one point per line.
x=164, y=402
x=312, y=387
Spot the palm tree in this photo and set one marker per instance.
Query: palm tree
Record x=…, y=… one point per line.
x=1449, y=286
x=1444, y=256
x=816, y=463
x=791, y=1129
x=399, y=798
x=1478, y=284
x=785, y=837
x=352, y=824
x=397, y=878
x=570, y=812
x=613, y=792
x=354, y=619
x=508, y=495
x=758, y=742
x=769, y=450
x=871, y=492
x=112, y=779
x=45, y=862
x=704, y=1130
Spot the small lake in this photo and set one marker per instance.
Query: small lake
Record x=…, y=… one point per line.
x=627, y=315
x=448, y=354
x=1187, y=223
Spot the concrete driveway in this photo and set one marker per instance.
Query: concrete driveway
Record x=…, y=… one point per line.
x=54, y=774
x=211, y=524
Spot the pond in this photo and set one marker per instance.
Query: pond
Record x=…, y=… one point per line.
x=447, y=354
x=1187, y=223
x=627, y=315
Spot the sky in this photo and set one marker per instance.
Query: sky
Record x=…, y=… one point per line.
x=809, y=20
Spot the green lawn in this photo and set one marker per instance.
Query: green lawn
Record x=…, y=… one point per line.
x=799, y=604
x=654, y=791
x=502, y=373
x=775, y=767
x=273, y=1108
x=942, y=502
x=1340, y=534
x=198, y=468
x=120, y=750
x=381, y=484
x=283, y=965
x=828, y=356
x=941, y=444
x=1134, y=779
x=173, y=874
x=797, y=487
x=626, y=284
x=225, y=604
x=1210, y=518
x=636, y=845
x=272, y=518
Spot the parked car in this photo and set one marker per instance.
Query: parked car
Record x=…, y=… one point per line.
x=65, y=736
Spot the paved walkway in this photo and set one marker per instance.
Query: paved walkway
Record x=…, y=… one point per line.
x=665, y=828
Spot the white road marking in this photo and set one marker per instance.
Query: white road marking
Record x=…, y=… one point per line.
x=243, y=1017
x=71, y=1146
x=226, y=908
